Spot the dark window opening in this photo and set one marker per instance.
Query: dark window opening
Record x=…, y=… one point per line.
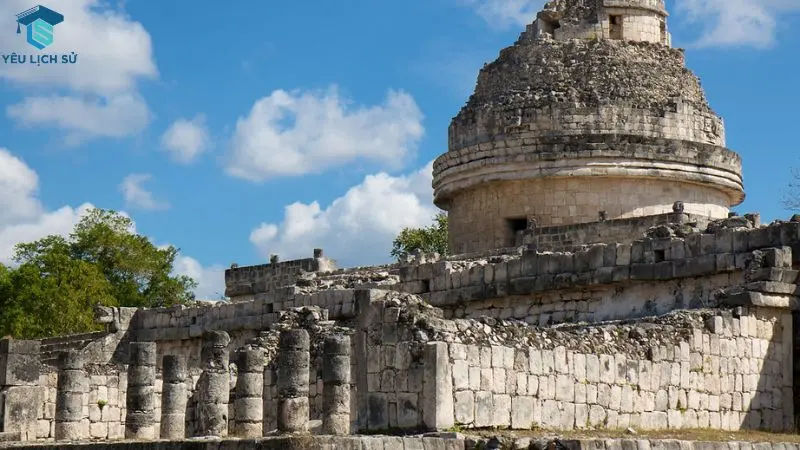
x=660, y=256
x=516, y=227
x=548, y=26
x=615, y=31
x=663, y=31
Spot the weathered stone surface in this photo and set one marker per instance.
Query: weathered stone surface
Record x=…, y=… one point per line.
x=174, y=368
x=19, y=362
x=215, y=354
x=21, y=409
x=174, y=398
x=293, y=373
x=70, y=419
x=249, y=405
x=213, y=387
x=140, y=415
x=336, y=385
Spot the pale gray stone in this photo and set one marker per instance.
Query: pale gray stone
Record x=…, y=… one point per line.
x=464, y=407
x=522, y=412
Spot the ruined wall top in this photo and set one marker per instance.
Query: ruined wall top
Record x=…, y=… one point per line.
x=241, y=281
x=637, y=20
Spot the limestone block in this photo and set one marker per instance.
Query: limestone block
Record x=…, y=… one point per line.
x=464, y=407
x=19, y=362
x=565, y=388
x=501, y=410
x=437, y=403
x=21, y=409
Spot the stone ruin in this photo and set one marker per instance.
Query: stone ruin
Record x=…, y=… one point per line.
x=599, y=282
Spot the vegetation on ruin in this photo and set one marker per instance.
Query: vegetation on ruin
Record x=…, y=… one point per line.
x=59, y=280
x=430, y=239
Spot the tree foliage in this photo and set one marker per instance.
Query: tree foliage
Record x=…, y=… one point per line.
x=58, y=280
x=430, y=239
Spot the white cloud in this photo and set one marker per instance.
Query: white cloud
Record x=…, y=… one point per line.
x=296, y=133
x=210, y=280
x=117, y=116
x=114, y=54
x=186, y=139
x=22, y=216
x=751, y=23
x=18, y=187
x=357, y=228
x=137, y=196
x=59, y=222
x=23, y=219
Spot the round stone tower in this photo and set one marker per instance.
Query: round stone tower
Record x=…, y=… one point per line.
x=590, y=115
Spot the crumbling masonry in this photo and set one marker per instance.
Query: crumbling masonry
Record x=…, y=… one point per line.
x=599, y=281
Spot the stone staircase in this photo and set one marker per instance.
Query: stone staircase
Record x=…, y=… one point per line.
x=51, y=347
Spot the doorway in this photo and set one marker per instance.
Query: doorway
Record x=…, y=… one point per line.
x=615, y=27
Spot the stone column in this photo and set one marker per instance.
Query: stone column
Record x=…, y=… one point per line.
x=173, y=398
x=336, y=385
x=214, y=385
x=140, y=417
x=293, y=366
x=249, y=404
x=19, y=386
x=73, y=385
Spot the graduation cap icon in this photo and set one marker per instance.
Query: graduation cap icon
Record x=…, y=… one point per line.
x=39, y=21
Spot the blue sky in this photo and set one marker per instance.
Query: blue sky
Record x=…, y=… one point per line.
x=277, y=127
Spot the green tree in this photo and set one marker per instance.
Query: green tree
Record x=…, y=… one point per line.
x=139, y=272
x=5, y=296
x=429, y=239
x=53, y=293
x=104, y=261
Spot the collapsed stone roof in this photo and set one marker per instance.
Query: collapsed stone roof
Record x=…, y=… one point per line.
x=571, y=10
x=635, y=337
x=588, y=72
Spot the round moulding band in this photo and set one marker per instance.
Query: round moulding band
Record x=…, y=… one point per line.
x=459, y=178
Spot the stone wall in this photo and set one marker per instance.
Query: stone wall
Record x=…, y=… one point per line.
x=726, y=369
x=641, y=25
x=104, y=403
x=586, y=73
x=184, y=326
x=452, y=442
x=631, y=443
x=242, y=282
x=276, y=443
x=681, y=121
x=605, y=282
x=568, y=238
x=391, y=393
x=405, y=350
x=643, y=20
x=479, y=218
x=726, y=372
